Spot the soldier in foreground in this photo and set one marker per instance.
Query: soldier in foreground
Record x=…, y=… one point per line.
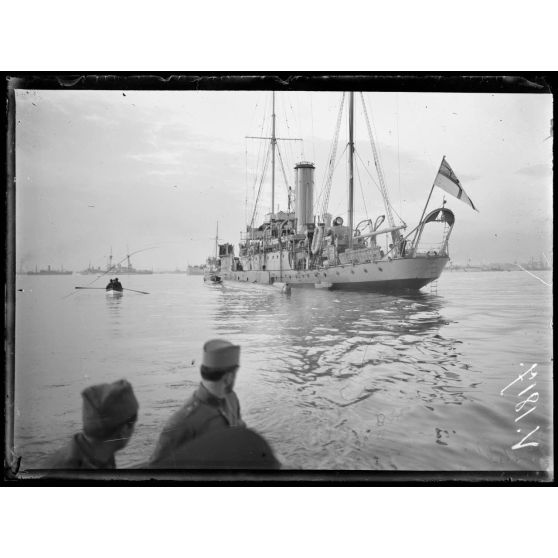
x=109, y=415
x=213, y=406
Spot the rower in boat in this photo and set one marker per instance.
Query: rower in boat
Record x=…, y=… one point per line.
x=114, y=285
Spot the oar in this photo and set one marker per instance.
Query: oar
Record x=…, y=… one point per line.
x=103, y=289
x=133, y=290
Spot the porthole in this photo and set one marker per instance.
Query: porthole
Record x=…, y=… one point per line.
x=380, y=269
x=353, y=271
x=365, y=270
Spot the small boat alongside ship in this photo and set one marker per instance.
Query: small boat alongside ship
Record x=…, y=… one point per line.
x=212, y=268
x=306, y=246
x=196, y=269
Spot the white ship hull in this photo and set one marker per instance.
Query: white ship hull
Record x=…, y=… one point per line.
x=396, y=274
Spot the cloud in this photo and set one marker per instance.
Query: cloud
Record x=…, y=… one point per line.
x=157, y=157
x=163, y=167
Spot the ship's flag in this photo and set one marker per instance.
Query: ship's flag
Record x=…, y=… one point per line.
x=447, y=181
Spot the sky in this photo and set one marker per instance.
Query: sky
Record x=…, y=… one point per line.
x=153, y=173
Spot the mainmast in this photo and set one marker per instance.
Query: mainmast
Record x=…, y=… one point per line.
x=351, y=153
x=273, y=143
x=217, y=241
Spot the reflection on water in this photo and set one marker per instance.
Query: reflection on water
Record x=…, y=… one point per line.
x=355, y=378
x=333, y=380
x=342, y=350
x=114, y=307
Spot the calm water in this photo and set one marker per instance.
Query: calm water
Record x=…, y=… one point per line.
x=333, y=380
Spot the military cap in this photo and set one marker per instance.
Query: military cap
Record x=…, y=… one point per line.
x=219, y=354
x=108, y=406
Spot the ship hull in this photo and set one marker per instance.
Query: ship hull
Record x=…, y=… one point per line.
x=382, y=275
x=49, y=272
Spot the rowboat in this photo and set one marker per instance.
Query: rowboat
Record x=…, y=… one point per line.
x=212, y=277
x=114, y=293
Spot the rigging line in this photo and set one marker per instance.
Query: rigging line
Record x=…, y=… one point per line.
x=297, y=122
x=254, y=112
x=300, y=125
x=362, y=192
x=398, y=154
x=246, y=180
x=378, y=164
x=283, y=169
x=326, y=200
x=331, y=166
x=375, y=132
x=259, y=156
x=285, y=105
x=334, y=141
x=312, y=126
x=262, y=127
x=111, y=270
x=119, y=262
x=298, y=133
x=260, y=187
x=377, y=185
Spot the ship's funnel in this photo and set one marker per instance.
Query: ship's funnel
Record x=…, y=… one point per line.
x=304, y=194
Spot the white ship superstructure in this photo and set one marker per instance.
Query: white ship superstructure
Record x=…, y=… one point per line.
x=305, y=247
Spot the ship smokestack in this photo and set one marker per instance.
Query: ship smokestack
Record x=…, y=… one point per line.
x=304, y=194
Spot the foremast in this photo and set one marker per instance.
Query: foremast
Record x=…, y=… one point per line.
x=351, y=178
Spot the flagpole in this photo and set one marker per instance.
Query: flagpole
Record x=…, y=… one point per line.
x=429, y=196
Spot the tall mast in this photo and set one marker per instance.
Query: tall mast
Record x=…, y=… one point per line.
x=273, y=143
x=351, y=152
x=273, y=140
x=216, y=241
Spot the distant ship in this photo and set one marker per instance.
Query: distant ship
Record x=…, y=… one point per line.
x=49, y=271
x=92, y=271
x=117, y=268
x=196, y=269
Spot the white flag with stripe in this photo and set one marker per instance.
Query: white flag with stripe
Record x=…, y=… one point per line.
x=447, y=181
